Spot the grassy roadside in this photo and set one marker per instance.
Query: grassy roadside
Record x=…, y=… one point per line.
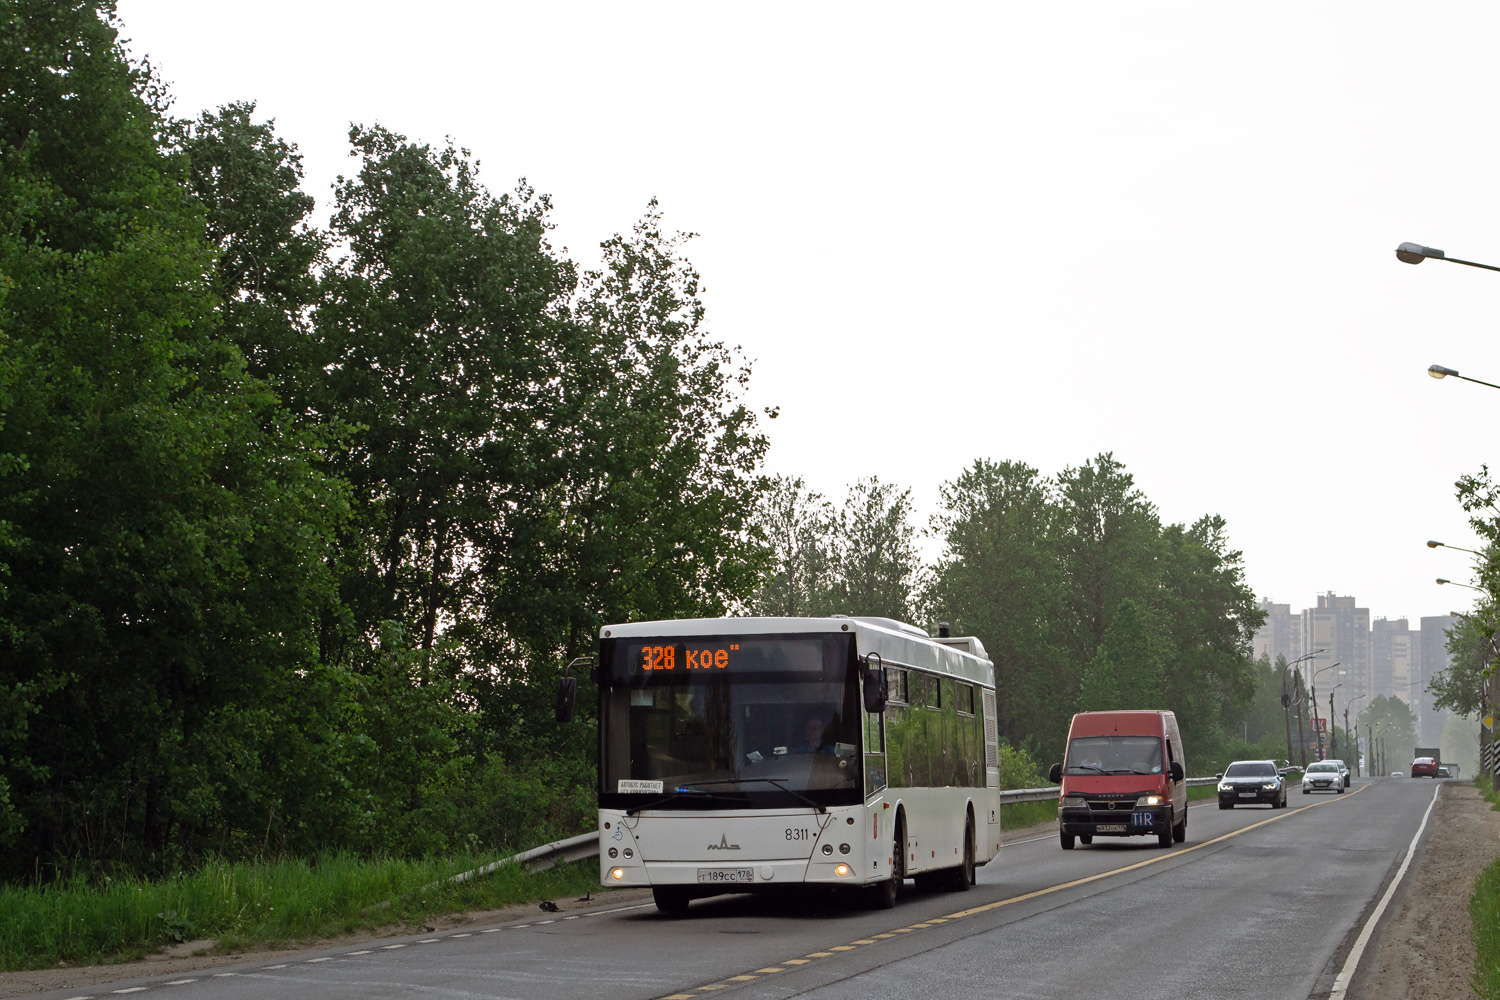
x=1484, y=911
x=245, y=904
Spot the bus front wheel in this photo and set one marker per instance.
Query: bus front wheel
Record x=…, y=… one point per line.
x=671, y=898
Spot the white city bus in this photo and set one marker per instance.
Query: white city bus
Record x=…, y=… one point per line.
x=751, y=754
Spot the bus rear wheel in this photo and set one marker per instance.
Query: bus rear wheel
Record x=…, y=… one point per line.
x=961, y=878
x=671, y=898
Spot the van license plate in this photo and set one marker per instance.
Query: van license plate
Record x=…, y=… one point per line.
x=726, y=875
x=1109, y=827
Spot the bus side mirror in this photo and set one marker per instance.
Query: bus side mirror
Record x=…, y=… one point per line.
x=1176, y=771
x=1055, y=775
x=567, y=690
x=876, y=687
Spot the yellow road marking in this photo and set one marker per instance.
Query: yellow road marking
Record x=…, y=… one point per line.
x=1142, y=864
x=771, y=969
x=1023, y=897
x=862, y=941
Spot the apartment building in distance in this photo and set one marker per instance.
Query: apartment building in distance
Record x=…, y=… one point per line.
x=1281, y=635
x=1342, y=631
x=1385, y=656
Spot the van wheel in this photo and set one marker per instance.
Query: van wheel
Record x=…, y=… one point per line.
x=1164, y=839
x=1067, y=841
x=1179, y=832
x=671, y=898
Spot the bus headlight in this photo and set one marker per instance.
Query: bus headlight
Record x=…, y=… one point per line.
x=617, y=873
x=841, y=870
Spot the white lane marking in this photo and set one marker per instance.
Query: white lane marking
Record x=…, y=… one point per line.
x=325, y=958
x=1341, y=984
x=540, y=922
x=268, y=967
x=429, y=941
x=490, y=930
x=80, y=998
x=221, y=975
x=573, y=917
x=460, y=935
x=618, y=909
x=519, y=926
x=131, y=989
x=390, y=947
x=359, y=952
x=181, y=982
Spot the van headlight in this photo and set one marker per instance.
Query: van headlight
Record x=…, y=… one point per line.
x=1075, y=802
x=1149, y=800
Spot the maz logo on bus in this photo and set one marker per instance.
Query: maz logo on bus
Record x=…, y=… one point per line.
x=665, y=657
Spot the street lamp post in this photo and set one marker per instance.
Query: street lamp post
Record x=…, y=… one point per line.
x=1415, y=253
x=1333, y=728
x=1286, y=703
x=1438, y=371
x=1455, y=583
x=1347, y=730
x=1443, y=545
x=1317, y=724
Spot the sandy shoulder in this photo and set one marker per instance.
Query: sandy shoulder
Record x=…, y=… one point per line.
x=1427, y=952
x=182, y=960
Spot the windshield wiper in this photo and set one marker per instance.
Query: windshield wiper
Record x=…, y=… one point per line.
x=1086, y=767
x=681, y=794
x=770, y=781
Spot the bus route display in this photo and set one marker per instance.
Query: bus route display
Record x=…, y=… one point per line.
x=721, y=654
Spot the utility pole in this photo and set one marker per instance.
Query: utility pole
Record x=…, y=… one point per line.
x=1301, y=737
x=1333, y=732
x=1351, y=736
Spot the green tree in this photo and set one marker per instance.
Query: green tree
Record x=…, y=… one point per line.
x=1000, y=577
x=1128, y=669
x=1392, y=721
x=167, y=528
x=878, y=569
x=797, y=525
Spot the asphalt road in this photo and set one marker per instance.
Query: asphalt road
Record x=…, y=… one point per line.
x=1257, y=903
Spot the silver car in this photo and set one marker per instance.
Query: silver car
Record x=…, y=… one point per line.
x=1323, y=776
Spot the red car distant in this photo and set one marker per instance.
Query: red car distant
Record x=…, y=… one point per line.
x=1424, y=767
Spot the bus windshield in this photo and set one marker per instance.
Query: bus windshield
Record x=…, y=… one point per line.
x=761, y=720
x=1114, y=755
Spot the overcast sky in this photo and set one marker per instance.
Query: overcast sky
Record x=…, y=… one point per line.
x=1033, y=232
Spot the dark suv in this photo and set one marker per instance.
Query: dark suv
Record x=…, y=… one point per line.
x=1248, y=782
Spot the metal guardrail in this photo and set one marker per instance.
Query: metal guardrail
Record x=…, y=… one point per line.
x=1049, y=793
x=587, y=845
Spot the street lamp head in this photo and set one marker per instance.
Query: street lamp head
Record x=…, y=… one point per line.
x=1434, y=545
x=1438, y=371
x=1441, y=580
x=1415, y=253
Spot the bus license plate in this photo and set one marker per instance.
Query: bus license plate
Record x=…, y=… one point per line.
x=1109, y=827
x=726, y=875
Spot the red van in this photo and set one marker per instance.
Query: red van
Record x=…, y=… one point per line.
x=1123, y=777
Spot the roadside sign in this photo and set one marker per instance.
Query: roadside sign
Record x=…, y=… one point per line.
x=1489, y=722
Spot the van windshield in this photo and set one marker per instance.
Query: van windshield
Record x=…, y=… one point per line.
x=1114, y=755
